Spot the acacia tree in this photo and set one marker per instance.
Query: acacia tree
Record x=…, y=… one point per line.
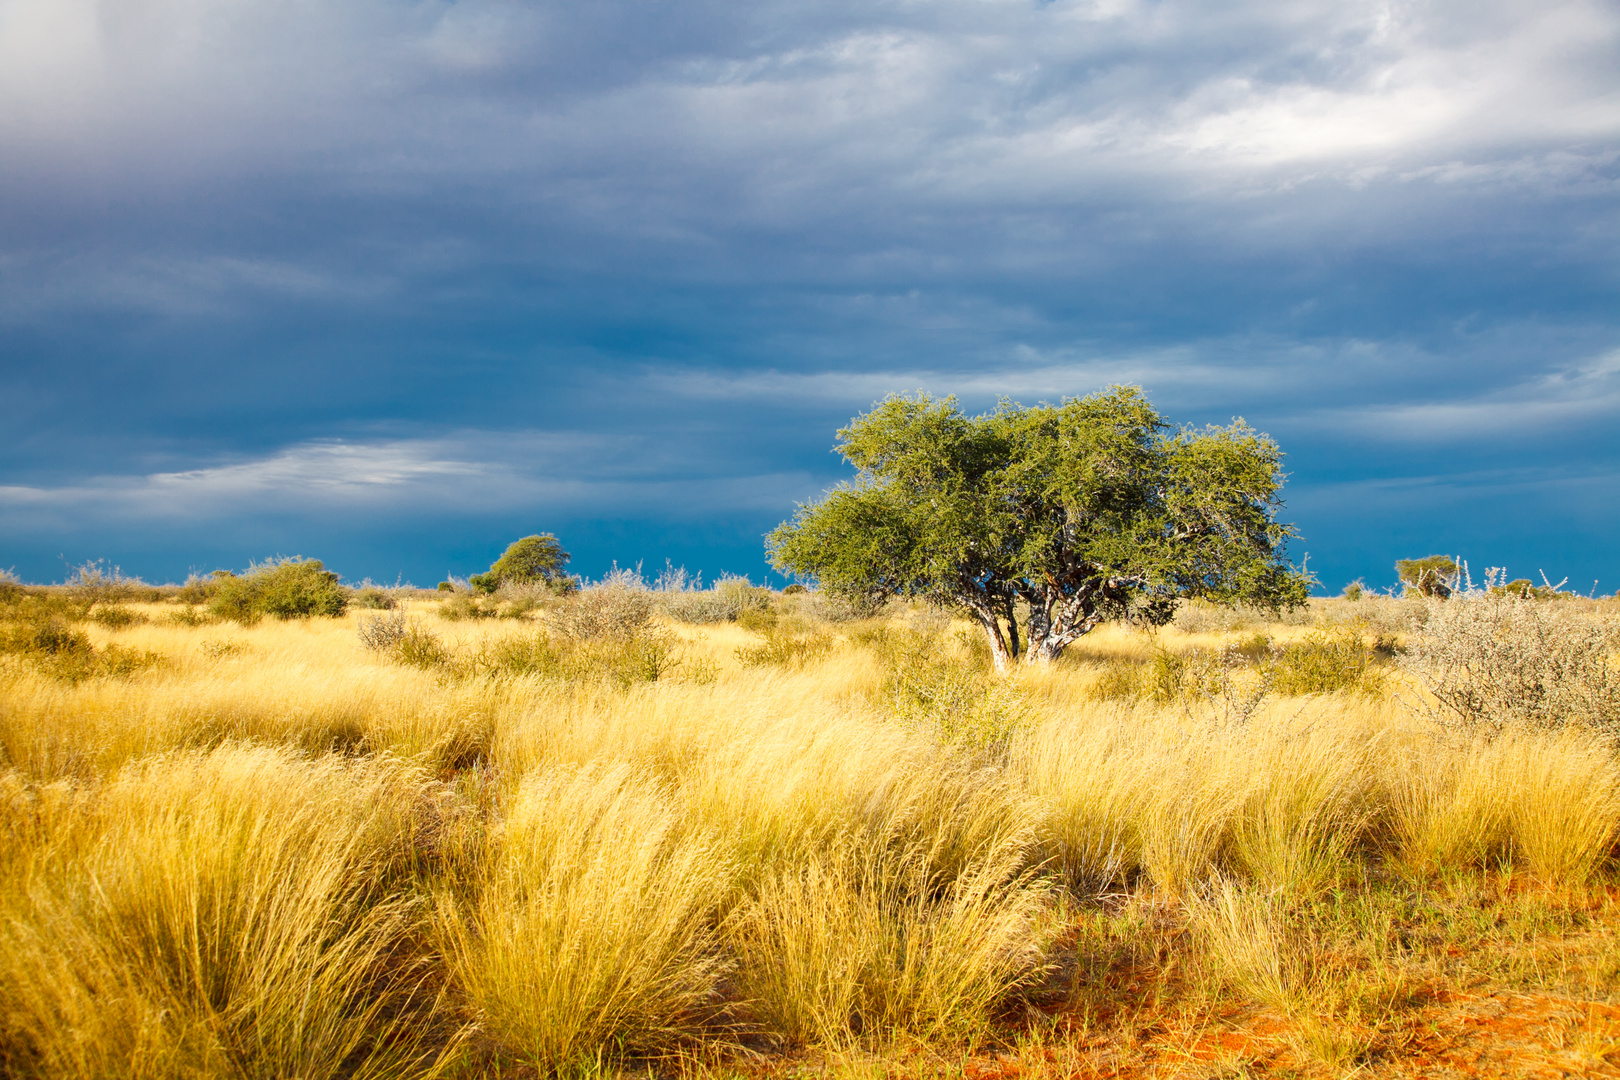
x=1085, y=511
x=538, y=558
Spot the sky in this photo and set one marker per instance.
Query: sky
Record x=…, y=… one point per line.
x=391, y=284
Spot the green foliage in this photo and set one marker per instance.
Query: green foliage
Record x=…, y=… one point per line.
x=200, y=590
x=283, y=588
x=1082, y=512
x=1355, y=590
x=538, y=558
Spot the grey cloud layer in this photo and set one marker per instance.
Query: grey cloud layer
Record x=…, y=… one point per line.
x=955, y=105
x=237, y=237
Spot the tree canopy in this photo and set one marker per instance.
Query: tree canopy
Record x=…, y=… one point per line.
x=1085, y=511
x=538, y=558
x=1432, y=575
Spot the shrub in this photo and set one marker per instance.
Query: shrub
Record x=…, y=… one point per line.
x=190, y=616
x=116, y=616
x=283, y=588
x=1323, y=663
x=829, y=608
x=518, y=599
x=98, y=582
x=732, y=598
x=698, y=607
x=1202, y=617
x=618, y=606
x=1499, y=660
x=376, y=597
x=421, y=648
x=1239, y=675
x=1525, y=589
x=383, y=632
x=948, y=693
x=462, y=605
x=200, y=590
x=743, y=593
x=619, y=662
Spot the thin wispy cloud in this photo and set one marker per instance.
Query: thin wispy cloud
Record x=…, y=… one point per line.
x=560, y=474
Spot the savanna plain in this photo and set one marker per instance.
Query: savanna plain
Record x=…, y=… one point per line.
x=728, y=832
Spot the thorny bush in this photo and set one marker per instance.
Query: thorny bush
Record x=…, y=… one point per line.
x=1502, y=660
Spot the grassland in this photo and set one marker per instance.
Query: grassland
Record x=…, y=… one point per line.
x=788, y=845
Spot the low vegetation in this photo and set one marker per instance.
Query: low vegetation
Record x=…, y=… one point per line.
x=666, y=829
x=281, y=588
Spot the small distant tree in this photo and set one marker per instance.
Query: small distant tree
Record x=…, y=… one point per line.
x=533, y=559
x=1432, y=575
x=1085, y=511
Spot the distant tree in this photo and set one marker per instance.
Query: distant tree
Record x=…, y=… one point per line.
x=532, y=559
x=1432, y=575
x=1085, y=511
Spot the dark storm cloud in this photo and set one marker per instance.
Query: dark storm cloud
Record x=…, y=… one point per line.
x=635, y=262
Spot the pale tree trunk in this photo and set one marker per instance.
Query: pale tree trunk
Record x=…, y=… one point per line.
x=1000, y=655
x=1056, y=622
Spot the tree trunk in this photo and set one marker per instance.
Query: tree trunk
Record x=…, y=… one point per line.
x=1056, y=622
x=1000, y=655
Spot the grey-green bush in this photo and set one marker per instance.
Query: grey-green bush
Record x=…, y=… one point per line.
x=282, y=588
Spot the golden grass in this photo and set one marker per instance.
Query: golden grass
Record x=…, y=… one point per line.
x=279, y=854
x=216, y=912
x=590, y=923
